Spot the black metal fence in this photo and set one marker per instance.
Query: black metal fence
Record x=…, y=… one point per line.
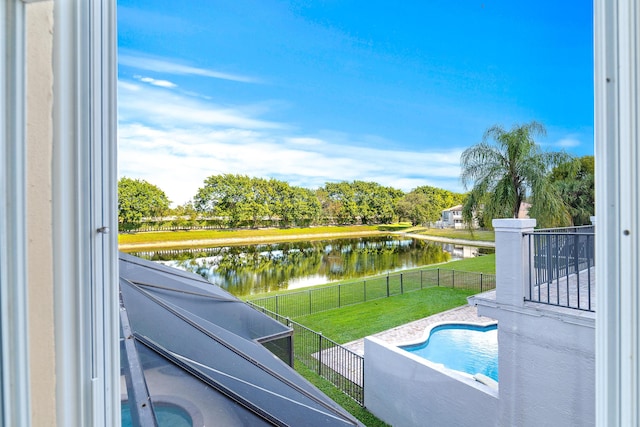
x=561, y=268
x=337, y=364
x=315, y=300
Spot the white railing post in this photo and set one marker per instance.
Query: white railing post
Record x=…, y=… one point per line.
x=512, y=259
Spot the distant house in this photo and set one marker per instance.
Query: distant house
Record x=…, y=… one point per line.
x=523, y=213
x=452, y=218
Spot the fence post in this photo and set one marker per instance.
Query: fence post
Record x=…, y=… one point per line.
x=339, y=288
x=480, y=282
x=512, y=259
x=401, y=285
x=387, y=286
x=277, y=311
x=309, y=292
x=420, y=279
x=364, y=285
x=438, y=276
x=453, y=279
x=320, y=353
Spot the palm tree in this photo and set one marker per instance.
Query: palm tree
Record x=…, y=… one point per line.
x=506, y=169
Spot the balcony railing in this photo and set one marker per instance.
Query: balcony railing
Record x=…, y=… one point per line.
x=562, y=267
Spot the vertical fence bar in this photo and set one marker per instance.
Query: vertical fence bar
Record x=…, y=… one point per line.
x=557, y=272
x=549, y=267
x=480, y=282
x=421, y=279
x=537, y=240
x=567, y=250
x=401, y=285
x=320, y=353
x=577, y=239
x=339, y=295
x=438, y=276
x=589, y=252
x=364, y=290
x=387, y=286
x=453, y=279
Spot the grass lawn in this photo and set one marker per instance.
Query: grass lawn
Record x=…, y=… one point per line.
x=479, y=264
x=481, y=235
x=191, y=235
x=366, y=417
x=360, y=320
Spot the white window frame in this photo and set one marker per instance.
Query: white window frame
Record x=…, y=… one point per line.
x=617, y=147
x=14, y=407
x=84, y=180
x=84, y=210
x=84, y=213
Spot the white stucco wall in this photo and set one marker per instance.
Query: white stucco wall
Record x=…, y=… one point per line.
x=546, y=361
x=406, y=390
x=546, y=354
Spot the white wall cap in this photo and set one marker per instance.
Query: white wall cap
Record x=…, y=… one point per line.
x=506, y=224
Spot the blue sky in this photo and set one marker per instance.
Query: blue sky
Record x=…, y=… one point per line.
x=331, y=90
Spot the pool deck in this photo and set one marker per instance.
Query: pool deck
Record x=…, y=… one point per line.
x=414, y=331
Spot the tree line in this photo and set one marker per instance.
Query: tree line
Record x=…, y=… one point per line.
x=506, y=169
x=231, y=201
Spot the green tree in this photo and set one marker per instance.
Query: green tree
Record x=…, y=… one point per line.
x=576, y=184
x=507, y=168
x=236, y=198
x=436, y=200
x=414, y=206
x=138, y=199
x=359, y=201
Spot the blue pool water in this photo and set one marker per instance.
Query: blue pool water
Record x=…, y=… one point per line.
x=467, y=348
x=167, y=415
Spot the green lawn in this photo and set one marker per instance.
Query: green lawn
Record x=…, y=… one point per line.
x=481, y=235
x=360, y=320
x=178, y=236
x=479, y=264
x=366, y=417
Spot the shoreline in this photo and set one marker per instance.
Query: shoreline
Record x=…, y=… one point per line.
x=235, y=241
x=463, y=242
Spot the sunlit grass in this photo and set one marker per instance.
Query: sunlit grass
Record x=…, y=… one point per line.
x=451, y=233
x=258, y=234
x=362, y=414
x=360, y=320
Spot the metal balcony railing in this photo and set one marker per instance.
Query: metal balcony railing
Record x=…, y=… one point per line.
x=562, y=267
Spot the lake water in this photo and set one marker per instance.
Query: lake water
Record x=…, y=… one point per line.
x=249, y=269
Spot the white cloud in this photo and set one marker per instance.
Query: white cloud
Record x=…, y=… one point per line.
x=156, y=82
x=176, y=142
x=163, y=108
x=143, y=62
x=568, y=142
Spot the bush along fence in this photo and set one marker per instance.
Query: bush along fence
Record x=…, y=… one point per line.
x=335, y=363
x=312, y=301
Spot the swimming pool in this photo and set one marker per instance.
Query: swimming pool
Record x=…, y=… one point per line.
x=464, y=347
x=167, y=415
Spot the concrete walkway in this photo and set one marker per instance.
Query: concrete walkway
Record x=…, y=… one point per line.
x=415, y=330
x=462, y=242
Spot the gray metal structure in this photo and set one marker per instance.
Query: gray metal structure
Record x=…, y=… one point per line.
x=189, y=344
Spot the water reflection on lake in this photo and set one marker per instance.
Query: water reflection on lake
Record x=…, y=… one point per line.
x=244, y=270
